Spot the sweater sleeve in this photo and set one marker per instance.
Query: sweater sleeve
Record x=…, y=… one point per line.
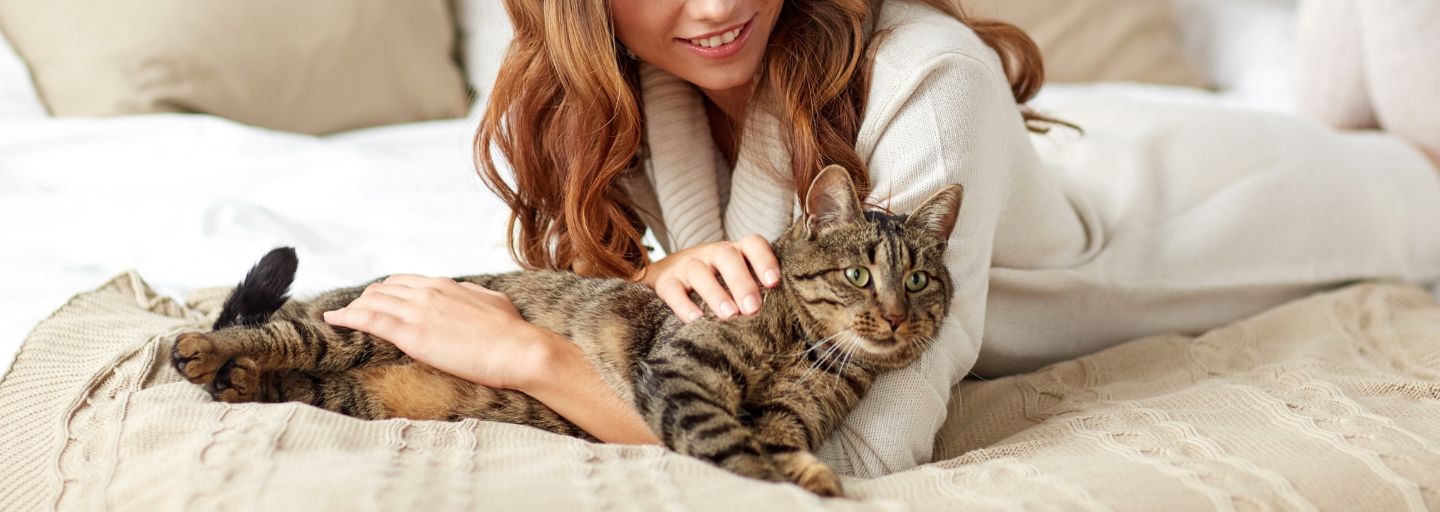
x=951, y=119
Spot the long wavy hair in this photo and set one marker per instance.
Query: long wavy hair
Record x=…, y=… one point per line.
x=565, y=115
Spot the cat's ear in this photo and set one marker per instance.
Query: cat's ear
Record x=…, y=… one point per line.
x=831, y=199
x=938, y=213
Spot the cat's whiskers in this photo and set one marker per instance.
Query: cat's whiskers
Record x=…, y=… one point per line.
x=824, y=357
x=841, y=360
x=849, y=353
x=816, y=345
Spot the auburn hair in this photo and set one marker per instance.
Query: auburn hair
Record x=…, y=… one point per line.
x=565, y=115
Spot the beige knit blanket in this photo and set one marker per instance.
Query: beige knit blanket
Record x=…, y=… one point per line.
x=1331, y=402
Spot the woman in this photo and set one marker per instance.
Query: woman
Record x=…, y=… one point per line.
x=696, y=118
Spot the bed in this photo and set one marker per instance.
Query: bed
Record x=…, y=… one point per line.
x=119, y=232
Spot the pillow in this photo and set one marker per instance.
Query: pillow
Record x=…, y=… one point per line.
x=17, y=95
x=312, y=67
x=1101, y=40
x=485, y=33
x=1246, y=47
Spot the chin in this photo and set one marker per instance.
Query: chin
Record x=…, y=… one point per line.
x=722, y=79
x=886, y=353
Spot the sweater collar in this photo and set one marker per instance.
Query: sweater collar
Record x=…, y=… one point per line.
x=683, y=166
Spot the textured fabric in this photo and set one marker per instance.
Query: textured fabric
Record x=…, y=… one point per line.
x=1163, y=218
x=1332, y=402
x=1101, y=40
x=310, y=67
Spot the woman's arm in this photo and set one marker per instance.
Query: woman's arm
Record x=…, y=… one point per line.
x=453, y=327
x=566, y=382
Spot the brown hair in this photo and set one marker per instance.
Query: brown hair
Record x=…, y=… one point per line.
x=565, y=114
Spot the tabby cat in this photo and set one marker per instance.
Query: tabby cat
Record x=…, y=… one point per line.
x=861, y=293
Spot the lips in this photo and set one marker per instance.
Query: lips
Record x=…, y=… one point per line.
x=717, y=40
x=719, y=45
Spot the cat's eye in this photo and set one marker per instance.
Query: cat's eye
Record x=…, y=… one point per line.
x=858, y=276
x=917, y=281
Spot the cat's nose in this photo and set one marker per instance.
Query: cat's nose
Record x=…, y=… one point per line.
x=895, y=320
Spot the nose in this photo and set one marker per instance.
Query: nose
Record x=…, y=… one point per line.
x=896, y=318
x=718, y=11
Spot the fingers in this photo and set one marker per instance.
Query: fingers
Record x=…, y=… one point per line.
x=673, y=292
x=701, y=278
x=441, y=284
x=475, y=287
x=762, y=260
x=743, y=290
x=382, y=310
x=400, y=291
x=384, y=303
x=384, y=325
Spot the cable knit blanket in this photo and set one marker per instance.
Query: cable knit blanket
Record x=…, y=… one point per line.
x=1331, y=402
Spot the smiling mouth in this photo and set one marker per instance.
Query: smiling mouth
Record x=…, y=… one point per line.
x=720, y=44
x=720, y=39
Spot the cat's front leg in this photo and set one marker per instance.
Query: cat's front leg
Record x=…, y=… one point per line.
x=693, y=409
x=798, y=409
x=787, y=430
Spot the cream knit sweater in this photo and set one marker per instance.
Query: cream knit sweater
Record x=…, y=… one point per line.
x=1047, y=265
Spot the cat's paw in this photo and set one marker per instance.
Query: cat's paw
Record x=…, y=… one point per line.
x=809, y=472
x=754, y=465
x=238, y=380
x=195, y=357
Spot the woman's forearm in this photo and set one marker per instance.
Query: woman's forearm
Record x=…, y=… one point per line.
x=567, y=383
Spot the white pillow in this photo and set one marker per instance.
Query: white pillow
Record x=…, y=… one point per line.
x=1245, y=47
x=17, y=93
x=485, y=32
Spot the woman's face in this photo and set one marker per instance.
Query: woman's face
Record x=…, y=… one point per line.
x=714, y=44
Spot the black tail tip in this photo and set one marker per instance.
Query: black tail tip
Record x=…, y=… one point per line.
x=282, y=258
x=263, y=291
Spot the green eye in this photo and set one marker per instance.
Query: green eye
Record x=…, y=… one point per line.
x=917, y=281
x=858, y=276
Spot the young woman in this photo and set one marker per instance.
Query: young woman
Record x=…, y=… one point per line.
x=697, y=118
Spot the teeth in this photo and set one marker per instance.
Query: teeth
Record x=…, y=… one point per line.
x=714, y=41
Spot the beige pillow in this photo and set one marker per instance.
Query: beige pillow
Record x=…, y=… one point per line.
x=313, y=66
x=1100, y=40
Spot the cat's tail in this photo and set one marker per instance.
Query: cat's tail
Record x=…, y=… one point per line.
x=262, y=292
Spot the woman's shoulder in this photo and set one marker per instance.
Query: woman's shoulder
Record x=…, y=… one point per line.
x=921, y=51
x=915, y=36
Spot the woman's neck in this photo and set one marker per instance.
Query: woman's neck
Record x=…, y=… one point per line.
x=725, y=109
x=731, y=101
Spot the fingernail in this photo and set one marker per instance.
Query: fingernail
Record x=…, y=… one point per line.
x=727, y=310
x=772, y=277
x=752, y=304
x=693, y=316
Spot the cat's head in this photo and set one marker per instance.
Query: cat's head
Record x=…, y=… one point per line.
x=868, y=283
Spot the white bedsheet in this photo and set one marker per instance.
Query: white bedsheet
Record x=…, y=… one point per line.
x=203, y=198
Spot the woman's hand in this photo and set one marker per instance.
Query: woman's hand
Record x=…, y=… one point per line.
x=457, y=327
x=696, y=268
